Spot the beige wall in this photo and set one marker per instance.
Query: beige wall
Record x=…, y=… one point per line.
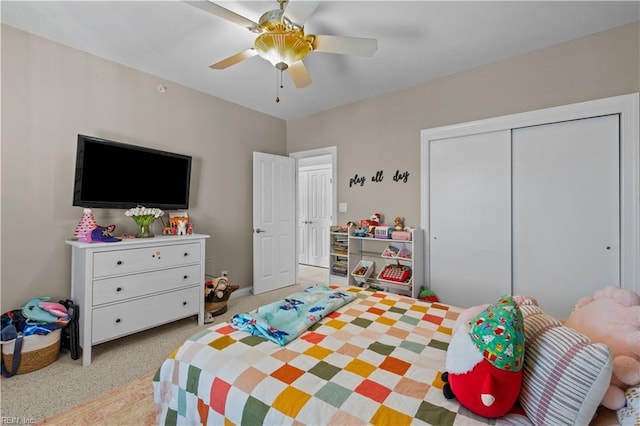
x=50, y=93
x=383, y=133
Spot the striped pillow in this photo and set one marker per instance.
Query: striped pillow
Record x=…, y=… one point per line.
x=565, y=375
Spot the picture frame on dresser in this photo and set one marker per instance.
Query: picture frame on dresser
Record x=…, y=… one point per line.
x=129, y=286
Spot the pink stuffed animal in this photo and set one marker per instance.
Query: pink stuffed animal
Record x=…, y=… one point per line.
x=612, y=317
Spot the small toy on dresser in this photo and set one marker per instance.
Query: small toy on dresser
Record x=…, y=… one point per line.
x=179, y=224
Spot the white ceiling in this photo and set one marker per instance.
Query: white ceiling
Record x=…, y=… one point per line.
x=417, y=41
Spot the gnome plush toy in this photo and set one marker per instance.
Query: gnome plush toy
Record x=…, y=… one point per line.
x=484, y=359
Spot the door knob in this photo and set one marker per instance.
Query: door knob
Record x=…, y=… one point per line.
x=258, y=230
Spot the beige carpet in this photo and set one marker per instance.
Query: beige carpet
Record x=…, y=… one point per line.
x=41, y=394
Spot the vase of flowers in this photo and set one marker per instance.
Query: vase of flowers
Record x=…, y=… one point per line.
x=144, y=217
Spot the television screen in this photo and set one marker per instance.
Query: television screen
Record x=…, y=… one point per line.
x=116, y=175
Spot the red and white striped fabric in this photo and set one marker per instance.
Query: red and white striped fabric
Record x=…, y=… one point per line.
x=565, y=374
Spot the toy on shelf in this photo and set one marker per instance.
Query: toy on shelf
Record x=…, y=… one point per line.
x=179, y=224
x=383, y=232
x=360, y=231
x=363, y=271
x=374, y=220
x=395, y=273
x=398, y=224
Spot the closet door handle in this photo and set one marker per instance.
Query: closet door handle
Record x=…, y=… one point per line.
x=258, y=230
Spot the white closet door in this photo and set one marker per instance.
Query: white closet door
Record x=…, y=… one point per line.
x=470, y=218
x=566, y=211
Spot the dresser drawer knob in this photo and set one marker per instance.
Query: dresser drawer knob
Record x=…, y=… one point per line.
x=185, y=277
x=119, y=289
x=184, y=303
x=186, y=254
x=118, y=320
x=119, y=262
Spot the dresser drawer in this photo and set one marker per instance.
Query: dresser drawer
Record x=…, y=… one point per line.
x=124, y=318
x=117, y=262
x=108, y=290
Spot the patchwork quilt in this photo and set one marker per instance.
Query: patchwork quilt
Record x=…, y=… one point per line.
x=376, y=360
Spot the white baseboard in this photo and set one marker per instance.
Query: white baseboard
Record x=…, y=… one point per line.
x=244, y=291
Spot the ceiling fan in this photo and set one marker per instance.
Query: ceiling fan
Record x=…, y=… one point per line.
x=281, y=39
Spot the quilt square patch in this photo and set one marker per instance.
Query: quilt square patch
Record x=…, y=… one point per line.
x=324, y=370
x=287, y=374
x=290, y=401
x=388, y=416
x=333, y=394
x=373, y=390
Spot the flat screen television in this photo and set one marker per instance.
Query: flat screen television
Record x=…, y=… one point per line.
x=112, y=174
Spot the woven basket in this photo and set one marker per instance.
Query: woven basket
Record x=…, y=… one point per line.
x=37, y=352
x=218, y=305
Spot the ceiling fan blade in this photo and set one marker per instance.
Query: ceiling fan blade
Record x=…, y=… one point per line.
x=299, y=75
x=232, y=60
x=345, y=45
x=224, y=13
x=299, y=11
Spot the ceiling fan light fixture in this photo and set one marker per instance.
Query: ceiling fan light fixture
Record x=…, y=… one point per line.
x=283, y=47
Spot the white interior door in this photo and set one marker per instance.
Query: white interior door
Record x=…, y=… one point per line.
x=315, y=206
x=470, y=218
x=320, y=207
x=303, y=217
x=566, y=211
x=274, y=222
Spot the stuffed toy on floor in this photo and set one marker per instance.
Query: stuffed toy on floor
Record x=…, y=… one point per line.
x=612, y=317
x=484, y=359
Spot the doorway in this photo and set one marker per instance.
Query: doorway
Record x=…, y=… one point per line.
x=316, y=205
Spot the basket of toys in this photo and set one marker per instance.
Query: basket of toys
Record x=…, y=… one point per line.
x=30, y=336
x=38, y=351
x=363, y=271
x=216, y=295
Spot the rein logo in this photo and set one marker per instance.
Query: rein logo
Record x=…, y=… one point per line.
x=15, y=420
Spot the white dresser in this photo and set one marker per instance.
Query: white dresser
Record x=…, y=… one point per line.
x=132, y=285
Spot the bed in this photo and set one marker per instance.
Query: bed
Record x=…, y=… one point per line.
x=375, y=360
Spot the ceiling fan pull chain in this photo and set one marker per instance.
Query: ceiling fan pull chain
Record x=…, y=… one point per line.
x=277, y=87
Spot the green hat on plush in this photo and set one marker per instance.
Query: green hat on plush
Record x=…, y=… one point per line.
x=485, y=357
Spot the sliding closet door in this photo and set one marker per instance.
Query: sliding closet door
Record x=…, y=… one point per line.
x=566, y=224
x=470, y=218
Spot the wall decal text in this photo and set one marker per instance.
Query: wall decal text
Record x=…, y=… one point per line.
x=359, y=180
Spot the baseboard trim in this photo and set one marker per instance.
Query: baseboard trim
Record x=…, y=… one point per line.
x=244, y=291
